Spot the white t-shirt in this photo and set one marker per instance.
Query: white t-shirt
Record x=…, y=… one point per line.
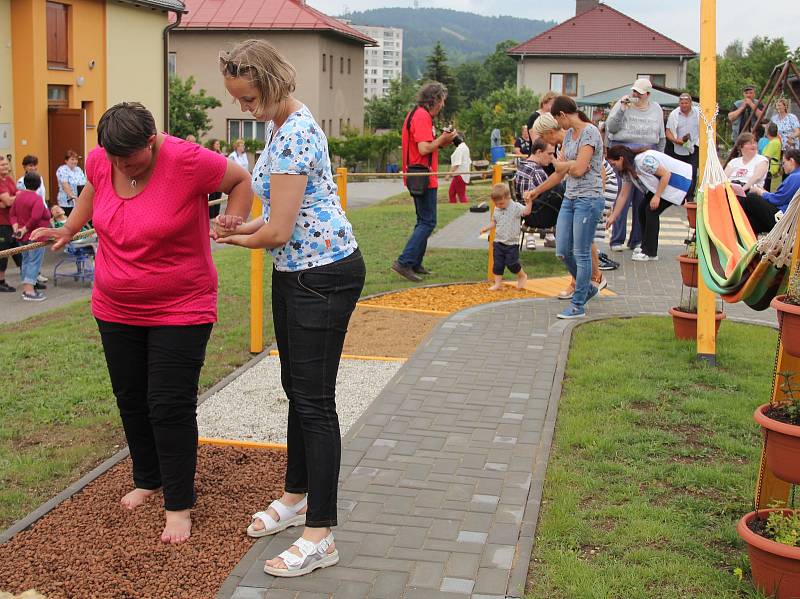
x=680, y=175
x=240, y=159
x=740, y=172
x=460, y=157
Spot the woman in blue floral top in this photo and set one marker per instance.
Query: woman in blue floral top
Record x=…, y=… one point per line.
x=71, y=180
x=317, y=277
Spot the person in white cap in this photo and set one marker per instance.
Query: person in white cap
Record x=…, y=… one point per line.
x=636, y=122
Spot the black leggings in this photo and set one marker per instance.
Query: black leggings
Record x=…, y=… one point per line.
x=650, y=223
x=154, y=374
x=311, y=310
x=759, y=211
x=7, y=242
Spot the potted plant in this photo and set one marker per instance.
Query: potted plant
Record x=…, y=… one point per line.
x=781, y=423
x=773, y=544
x=684, y=317
x=691, y=214
x=788, y=307
x=688, y=262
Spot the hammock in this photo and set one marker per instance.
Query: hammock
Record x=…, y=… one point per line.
x=733, y=262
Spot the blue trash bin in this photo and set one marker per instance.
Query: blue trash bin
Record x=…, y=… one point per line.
x=497, y=153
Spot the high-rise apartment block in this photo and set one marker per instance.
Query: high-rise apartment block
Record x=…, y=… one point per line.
x=383, y=63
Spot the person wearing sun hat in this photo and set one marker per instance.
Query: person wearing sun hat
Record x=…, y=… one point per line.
x=637, y=122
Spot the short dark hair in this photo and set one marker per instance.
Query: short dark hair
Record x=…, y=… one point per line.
x=793, y=154
x=538, y=145
x=431, y=93
x=772, y=129
x=747, y=88
x=32, y=181
x=125, y=128
x=30, y=159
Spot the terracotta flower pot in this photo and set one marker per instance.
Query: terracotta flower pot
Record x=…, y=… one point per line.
x=691, y=214
x=789, y=321
x=783, y=446
x=685, y=323
x=688, y=270
x=775, y=566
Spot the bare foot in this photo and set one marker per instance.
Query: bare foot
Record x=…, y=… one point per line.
x=136, y=498
x=178, y=528
x=312, y=535
x=495, y=287
x=521, y=281
x=288, y=499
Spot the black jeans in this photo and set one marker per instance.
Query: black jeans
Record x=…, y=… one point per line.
x=213, y=211
x=311, y=310
x=759, y=211
x=7, y=242
x=650, y=223
x=154, y=373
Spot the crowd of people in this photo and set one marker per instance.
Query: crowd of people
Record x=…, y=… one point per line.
x=583, y=179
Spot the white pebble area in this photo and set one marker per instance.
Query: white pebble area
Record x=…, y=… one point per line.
x=254, y=407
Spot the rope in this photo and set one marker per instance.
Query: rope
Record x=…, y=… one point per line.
x=506, y=169
x=40, y=244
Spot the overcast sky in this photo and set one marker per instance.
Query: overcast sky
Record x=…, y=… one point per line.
x=678, y=19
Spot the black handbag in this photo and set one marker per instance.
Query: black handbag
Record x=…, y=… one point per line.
x=417, y=185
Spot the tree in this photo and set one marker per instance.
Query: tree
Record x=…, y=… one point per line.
x=438, y=70
x=388, y=112
x=506, y=109
x=477, y=79
x=188, y=111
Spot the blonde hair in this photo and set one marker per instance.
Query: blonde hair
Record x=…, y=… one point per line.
x=500, y=191
x=783, y=101
x=546, y=98
x=546, y=122
x=263, y=66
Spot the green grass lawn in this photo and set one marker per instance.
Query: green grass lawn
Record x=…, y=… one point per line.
x=58, y=415
x=654, y=460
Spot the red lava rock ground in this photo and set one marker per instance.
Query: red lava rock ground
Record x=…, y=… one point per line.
x=89, y=547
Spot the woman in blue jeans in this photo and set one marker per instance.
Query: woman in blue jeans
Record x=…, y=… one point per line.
x=581, y=165
x=317, y=277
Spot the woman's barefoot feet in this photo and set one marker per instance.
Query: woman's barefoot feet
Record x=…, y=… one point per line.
x=315, y=535
x=178, y=528
x=136, y=498
x=522, y=278
x=288, y=499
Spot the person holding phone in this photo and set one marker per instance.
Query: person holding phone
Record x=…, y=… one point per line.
x=683, y=132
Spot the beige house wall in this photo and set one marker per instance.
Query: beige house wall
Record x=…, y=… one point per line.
x=197, y=54
x=6, y=82
x=597, y=74
x=134, y=39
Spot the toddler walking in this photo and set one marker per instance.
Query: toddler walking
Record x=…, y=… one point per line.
x=506, y=223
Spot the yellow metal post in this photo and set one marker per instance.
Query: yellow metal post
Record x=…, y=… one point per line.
x=706, y=305
x=497, y=177
x=256, y=291
x=341, y=183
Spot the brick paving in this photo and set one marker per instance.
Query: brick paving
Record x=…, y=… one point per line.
x=442, y=475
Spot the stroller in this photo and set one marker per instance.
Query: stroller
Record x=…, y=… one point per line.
x=544, y=213
x=79, y=255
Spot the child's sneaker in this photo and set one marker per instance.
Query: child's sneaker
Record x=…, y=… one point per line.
x=572, y=312
x=36, y=296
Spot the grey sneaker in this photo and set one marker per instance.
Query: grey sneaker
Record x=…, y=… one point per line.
x=406, y=272
x=36, y=296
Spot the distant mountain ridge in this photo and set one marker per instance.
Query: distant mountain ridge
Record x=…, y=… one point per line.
x=465, y=36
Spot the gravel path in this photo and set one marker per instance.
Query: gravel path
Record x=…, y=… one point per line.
x=254, y=406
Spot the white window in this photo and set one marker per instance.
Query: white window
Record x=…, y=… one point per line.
x=564, y=83
x=655, y=79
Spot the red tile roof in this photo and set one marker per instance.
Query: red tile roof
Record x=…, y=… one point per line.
x=294, y=15
x=601, y=31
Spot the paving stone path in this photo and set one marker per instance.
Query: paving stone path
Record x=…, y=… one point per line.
x=442, y=475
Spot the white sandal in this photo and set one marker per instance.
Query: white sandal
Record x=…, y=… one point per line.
x=287, y=516
x=313, y=556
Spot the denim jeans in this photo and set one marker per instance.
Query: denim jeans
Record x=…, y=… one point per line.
x=154, y=374
x=425, y=206
x=620, y=227
x=31, y=265
x=575, y=228
x=311, y=310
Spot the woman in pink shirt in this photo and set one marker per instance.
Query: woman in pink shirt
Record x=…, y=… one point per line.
x=155, y=292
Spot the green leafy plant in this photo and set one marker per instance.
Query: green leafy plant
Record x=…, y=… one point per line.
x=188, y=110
x=793, y=290
x=784, y=527
x=789, y=404
x=691, y=250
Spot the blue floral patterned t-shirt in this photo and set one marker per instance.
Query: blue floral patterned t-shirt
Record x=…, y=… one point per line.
x=322, y=234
